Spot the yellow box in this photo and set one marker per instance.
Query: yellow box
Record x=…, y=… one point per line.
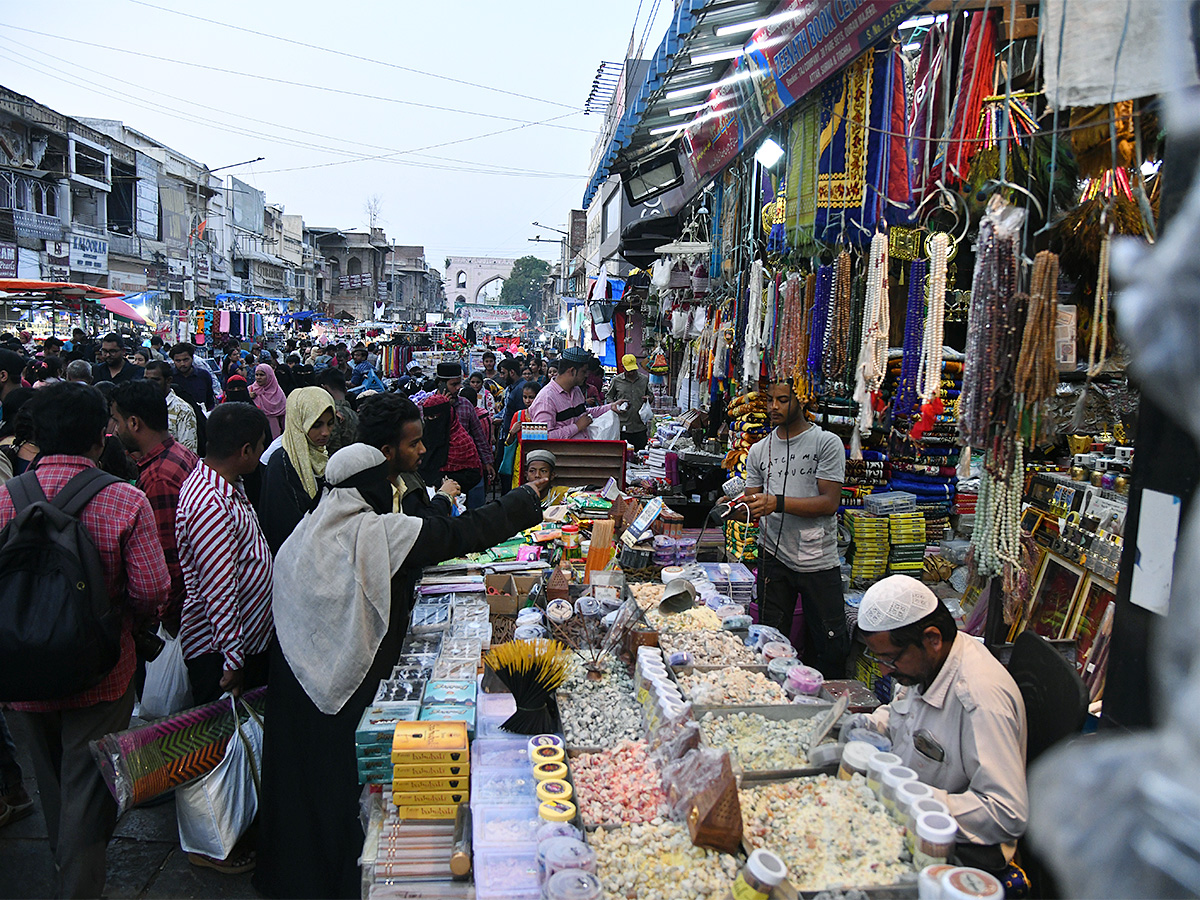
x=429, y=798
x=417, y=785
x=432, y=770
x=429, y=812
x=430, y=742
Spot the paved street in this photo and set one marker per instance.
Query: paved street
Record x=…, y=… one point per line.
x=144, y=859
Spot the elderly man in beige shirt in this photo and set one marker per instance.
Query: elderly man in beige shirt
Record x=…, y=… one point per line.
x=957, y=719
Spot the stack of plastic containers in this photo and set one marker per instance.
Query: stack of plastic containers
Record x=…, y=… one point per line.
x=658, y=693
x=505, y=821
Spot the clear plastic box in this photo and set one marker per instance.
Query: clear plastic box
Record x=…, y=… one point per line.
x=503, y=826
x=889, y=502
x=503, y=786
x=500, y=753
x=507, y=873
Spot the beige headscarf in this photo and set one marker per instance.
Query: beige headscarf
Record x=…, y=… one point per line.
x=332, y=595
x=304, y=406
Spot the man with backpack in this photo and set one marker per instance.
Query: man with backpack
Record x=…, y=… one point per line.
x=79, y=560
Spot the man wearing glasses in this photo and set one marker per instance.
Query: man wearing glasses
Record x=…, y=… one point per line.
x=957, y=719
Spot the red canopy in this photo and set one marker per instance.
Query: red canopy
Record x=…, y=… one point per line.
x=64, y=288
x=119, y=307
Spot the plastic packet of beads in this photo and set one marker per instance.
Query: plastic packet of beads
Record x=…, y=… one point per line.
x=460, y=647
x=449, y=669
x=425, y=643
x=417, y=661
x=411, y=673
x=503, y=786
x=393, y=691
x=502, y=825
x=479, y=630
x=428, y=618
x=464, y=612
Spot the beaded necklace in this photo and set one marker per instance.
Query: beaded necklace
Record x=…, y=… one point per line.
x=838, y=329
x=752, y=336
x=1100, y=310
x=820, y=317
x=914, y=335
x=1037, y=369
x=872, y=357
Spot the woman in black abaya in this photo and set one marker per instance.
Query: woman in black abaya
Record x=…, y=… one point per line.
x=340, y=618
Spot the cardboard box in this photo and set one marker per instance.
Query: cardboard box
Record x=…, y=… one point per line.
x=426, y=785
x=431, y=770
x=430, y=742
x=440, y=692
x=513, y=592
x=428, y=798
x=430, y=812
x=450, y=712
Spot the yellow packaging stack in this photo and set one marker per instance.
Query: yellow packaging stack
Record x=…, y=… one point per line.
x=431, y=769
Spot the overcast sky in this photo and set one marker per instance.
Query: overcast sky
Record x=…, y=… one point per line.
x=547, y=51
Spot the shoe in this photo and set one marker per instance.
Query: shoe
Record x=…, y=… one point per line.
x=16, y=804
x=235, y=865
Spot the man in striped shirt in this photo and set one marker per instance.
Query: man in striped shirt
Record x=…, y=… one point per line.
x=227, y=567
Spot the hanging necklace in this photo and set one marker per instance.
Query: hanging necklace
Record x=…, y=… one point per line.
x=872, y=358
x=820, y=316
x=929, y=372
x=914, y=335
x=1100, y=311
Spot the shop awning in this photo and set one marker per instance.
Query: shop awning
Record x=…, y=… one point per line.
x=119, y=307
x=691, y=34
x=59, y=288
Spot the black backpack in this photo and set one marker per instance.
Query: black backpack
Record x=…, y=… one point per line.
x=59, y=630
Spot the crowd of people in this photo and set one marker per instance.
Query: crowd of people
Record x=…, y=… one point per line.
x=234, y=487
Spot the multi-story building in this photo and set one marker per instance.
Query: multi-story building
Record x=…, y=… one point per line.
x=357, y=267
x=416, y=288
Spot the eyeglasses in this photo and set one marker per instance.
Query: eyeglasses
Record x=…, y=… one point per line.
x=889, y=660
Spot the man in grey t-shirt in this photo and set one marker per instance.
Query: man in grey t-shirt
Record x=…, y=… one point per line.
x=794, y=487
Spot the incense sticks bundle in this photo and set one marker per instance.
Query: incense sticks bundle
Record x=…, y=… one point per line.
x=532, y=671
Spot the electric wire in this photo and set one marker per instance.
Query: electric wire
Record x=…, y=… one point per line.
x=388, y=157
x=368, y=59
x=91, y=71
x=300, y=84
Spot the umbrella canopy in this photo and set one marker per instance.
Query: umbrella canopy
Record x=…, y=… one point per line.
x=61, y=288
x=119, y=307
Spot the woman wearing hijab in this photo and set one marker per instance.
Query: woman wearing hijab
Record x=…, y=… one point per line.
x=236, y=391
x=341, y=613
x=270, y=398
x=296, y=471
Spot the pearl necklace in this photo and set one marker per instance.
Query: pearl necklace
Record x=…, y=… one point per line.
x=872, y=358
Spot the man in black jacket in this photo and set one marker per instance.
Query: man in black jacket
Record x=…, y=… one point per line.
x=392, y=424
x=113, y=366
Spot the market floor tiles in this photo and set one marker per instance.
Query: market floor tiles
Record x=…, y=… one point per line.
x=144, y=859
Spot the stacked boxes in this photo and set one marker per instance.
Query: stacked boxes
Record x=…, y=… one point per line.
x=450, y=701
x=373, y=739
x=868, y=553
x=430, y=769
x=907, y=532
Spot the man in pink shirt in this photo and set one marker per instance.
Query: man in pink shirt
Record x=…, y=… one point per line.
x=560, y=404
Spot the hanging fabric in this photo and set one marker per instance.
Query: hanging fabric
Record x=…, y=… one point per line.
x=801, y=188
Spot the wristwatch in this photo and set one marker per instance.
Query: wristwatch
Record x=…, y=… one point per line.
x=779, y=501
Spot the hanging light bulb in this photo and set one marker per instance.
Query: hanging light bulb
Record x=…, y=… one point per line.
x=768, y=153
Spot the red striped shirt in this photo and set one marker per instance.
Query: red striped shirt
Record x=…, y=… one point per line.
x=227, y=570
x=121, y=525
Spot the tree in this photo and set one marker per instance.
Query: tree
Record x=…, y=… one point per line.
x=373, y=210
x=524, y=286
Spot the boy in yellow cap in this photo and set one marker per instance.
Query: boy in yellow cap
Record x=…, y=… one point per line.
x=632, y=385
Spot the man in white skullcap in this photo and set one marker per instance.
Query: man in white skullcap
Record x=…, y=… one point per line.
x=957, y=718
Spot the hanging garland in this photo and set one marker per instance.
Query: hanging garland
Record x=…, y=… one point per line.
x=820, y=320
x=873, y=352
x=837, y=333
x=1037, y=367
x=914, y=335
x=929, y=372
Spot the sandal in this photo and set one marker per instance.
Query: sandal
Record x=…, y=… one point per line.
x=14, y=806
x=235, y=865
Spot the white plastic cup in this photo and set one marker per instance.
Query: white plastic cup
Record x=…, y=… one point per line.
x=875, y=766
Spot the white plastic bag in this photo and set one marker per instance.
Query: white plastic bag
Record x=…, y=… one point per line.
x=646, y=413
x=215, y=810
x=168, y=689
x=679, y=323
x=605, y=427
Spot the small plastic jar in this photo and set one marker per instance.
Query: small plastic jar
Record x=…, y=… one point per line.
x=970, y=884
x=915, y=809
x=529, y=632
x=908, y=793
x=777, y=650
x=777, y=669
x=570, y=541
x=549, y=770
x=554, y=789
x=936, y=834
x=854, y=760
x=557, y=810
x=557, y=829
x=804, y=680
x=573, y=884
x=664, y=550
x=543, y=740
x=928, y=887
x=761, y=874
x=875, y=766
x=569, y=854
x=544, y=848
x=547, y=753
x=530, y=615
x=893, y=777
x=685, y=550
